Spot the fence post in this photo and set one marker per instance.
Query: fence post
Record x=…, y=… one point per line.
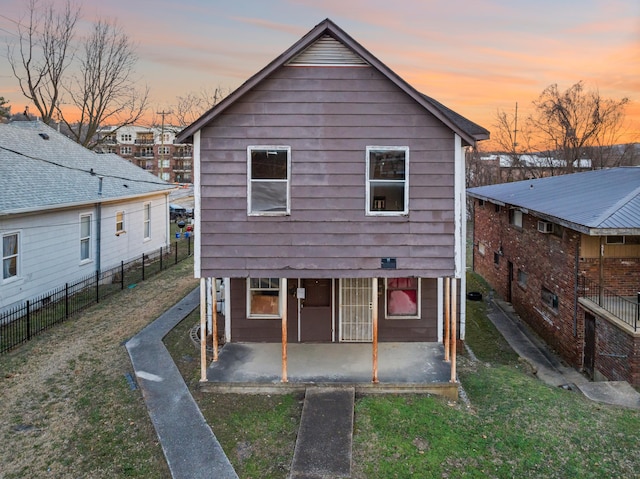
x=142, y=266
x=176, y=248
x=28, y=321
x=189, y=246
x=66, y=300
x=160, y=258
x=121, y=274
x=97, y=286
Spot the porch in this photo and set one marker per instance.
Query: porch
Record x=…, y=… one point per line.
x=625, y=309
x=402, y=368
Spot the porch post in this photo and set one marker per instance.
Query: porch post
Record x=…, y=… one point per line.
x=454, y=315
x=447, y=316
x=374, y=313
x=203, y=330
x=283, y=305
x=214, y=318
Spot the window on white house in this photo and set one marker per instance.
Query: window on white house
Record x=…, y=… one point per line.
x=147, y=220
x=515, y=218
x=120, y=222
x=10, y=255
x=85, y=237
x=387, y=180
x=268, y=187
x=264, y=298
x=549, y=298
x=402, y=298
x=125, y=137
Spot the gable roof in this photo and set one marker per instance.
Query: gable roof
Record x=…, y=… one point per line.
x=42, y=169
x=466, y=129
x=597, y=202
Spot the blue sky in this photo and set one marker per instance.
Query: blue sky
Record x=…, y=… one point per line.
x=474, y=56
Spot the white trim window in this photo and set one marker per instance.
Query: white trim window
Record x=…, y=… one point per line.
x=402, y=299
x=264, y=298
x=387, y=180
x=119, y=222
x=147, y=220
x=268, y=185
x=10, y=255
x=85, y=238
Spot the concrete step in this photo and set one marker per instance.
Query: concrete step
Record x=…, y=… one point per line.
x=323, y=447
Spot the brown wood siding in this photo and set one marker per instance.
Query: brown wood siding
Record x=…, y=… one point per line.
x=423, y=329
x=328, y=116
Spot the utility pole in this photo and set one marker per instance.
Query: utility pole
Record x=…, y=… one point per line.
x=163, y=114
x=515, y=130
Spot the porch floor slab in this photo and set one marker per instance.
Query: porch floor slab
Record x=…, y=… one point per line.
x=402, y=367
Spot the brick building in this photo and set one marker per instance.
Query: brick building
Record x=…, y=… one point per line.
x=565, y=251
x=151, y=148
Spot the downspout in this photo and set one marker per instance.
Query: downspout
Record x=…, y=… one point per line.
x=99, y=224
x=575, y=290
x=460, y=230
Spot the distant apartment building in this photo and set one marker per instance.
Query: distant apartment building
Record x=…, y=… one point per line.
x=151, y=148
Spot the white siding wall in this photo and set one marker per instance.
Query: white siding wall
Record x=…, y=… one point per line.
x=49, y=252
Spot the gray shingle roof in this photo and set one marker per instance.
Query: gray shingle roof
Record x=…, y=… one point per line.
x=595, y=202
x=42, y=169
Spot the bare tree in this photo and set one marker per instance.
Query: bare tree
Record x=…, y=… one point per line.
x=5, y=109
x=104, y=89
x=44, y=53
x=191, y=106
x=570, y=122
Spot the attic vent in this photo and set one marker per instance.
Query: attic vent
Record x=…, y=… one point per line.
x=327, y=51
x=44, y=136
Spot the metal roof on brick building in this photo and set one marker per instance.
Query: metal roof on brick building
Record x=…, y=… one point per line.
x=597, y=202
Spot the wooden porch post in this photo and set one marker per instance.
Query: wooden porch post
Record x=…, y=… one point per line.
x=447, y=316
x=374, y=313
x=203, y=330
x=214, y=318
x=283, y=305
x=454, y=315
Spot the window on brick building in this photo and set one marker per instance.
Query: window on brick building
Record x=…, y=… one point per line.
x=515, y=218
x=496, y=258
x=549, y=298
x=481, y=248
x=523, y=276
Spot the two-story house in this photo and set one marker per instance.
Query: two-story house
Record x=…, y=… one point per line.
x=565, y=251
x=330, y=195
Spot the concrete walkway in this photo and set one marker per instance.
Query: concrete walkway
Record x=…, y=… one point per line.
x=190, y=447
x=323, y=446
x=549, y=368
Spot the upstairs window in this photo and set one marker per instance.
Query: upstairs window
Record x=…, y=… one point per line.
x=387, y=180
x=10, y=255
x=269, y=169
x=515, y=218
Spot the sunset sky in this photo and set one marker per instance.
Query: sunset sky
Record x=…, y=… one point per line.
x=477, y=57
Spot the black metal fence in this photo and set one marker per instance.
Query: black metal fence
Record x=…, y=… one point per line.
x=626, y=309
x=20, y=323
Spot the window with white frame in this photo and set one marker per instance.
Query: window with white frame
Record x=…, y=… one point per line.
x=119, y=222
x=163, y=150
x=147, y=220
x=402, y=298
x=165, y=176
x=264, y=298
x=10, y=255
x=85, y=237
x=125, y=150
x=164, y=163
x=387, y=180
x=125, y=137
x=268, y=186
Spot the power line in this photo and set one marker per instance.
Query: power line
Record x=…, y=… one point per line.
x=90, y=172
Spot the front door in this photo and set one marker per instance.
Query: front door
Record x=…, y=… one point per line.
x=316, y=319
x=589, y=343
x=356, y=319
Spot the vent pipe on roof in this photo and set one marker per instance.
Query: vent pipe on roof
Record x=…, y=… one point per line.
x=44, y=136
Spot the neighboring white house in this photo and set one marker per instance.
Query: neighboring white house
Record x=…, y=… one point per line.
x=66, y=212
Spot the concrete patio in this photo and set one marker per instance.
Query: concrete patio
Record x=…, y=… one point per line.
x=402, y=368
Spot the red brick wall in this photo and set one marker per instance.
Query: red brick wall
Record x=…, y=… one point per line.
x=617, y=353
x=621, y=275
x=549, y=262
